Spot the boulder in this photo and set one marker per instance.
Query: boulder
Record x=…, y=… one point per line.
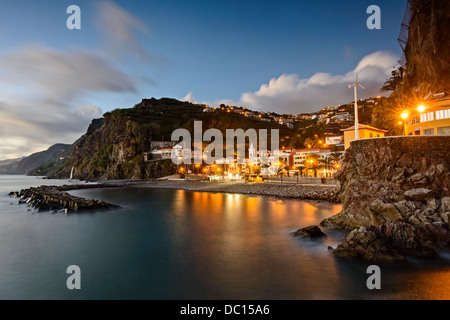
x=445, y=204
x=420, y=194
x=387, y=211
x=419, y=179
x=309, y=232
x=404, y=162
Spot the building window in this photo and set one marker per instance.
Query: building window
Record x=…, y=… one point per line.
x=428, y=132
x=415, y=119
x=371, y=135
x=443, y=130
x=427, y=117
x=443, y=114
x=417, y=133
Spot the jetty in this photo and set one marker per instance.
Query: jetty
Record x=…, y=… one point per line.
x=56, y=198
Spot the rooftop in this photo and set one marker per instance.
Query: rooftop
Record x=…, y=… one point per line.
x=364, y=127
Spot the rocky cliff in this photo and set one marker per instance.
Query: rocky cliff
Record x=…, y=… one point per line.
x=395, y=193
x=428, y=48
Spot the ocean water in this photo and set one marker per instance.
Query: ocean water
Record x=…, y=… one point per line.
x=174, y=244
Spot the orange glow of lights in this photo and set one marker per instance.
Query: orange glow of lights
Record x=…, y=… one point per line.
x=421, y=108
x=404, y=115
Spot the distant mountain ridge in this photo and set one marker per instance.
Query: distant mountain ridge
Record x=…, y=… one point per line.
x=26, y=164
x=39, y=158
x=9, y=166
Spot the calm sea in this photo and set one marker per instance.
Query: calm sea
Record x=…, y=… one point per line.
x=173, y=244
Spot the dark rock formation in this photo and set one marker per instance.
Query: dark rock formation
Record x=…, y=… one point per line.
x=390, y=242
x=309, y=232
x=55, y=198
x=95, y=125
x=428, y=49
x=398, y=190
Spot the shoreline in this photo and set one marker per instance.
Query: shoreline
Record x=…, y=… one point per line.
x=329, y=193
x=57, y=197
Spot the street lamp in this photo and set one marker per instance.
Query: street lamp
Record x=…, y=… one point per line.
x=405, y=115
x=421, y=108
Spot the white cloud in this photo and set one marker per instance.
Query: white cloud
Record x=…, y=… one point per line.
x=42, y=87
x=189, y=98
x=290, y=94
x=121, y=29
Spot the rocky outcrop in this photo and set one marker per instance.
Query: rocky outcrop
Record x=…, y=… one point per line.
x=398, y=190
x=392, y=241
x=53, y=198
x=309, y=232
x=428, y=50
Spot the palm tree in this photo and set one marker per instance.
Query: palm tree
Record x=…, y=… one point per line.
x=336, y=158
x=301, y=167
x=312, y=162
x=328, y=163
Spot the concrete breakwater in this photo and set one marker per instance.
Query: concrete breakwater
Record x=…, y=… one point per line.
x=55, y=198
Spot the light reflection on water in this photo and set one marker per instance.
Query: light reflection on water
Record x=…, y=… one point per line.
x=174, y=244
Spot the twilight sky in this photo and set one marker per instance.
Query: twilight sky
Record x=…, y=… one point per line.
x=283, y=56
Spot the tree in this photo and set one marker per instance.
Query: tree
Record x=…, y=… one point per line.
x=336, y=156
x=395, y=82
x=327, y=163
x=312, y=163
x=301, y=167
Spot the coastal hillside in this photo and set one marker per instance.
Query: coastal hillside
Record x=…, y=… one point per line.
x=114, y=146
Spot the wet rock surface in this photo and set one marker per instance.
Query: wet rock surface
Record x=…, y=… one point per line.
x=56, y=198
x=309, y=232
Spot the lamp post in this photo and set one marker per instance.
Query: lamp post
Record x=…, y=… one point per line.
x=405, y=115
x=355, y=85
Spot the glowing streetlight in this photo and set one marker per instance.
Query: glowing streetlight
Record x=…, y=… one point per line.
x=421, y=108
x=404, y=115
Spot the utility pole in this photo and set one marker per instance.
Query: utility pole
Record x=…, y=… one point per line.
x=355, y=85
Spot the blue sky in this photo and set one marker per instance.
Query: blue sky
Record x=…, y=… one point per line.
x=283, y=56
